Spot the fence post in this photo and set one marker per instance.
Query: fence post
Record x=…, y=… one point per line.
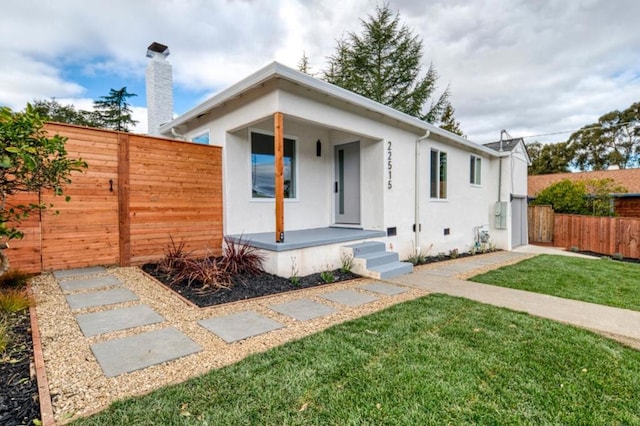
x=124, y=221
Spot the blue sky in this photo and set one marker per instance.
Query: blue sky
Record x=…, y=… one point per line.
x=530, y=67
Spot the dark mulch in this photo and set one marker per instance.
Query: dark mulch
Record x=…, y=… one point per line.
x=244, y=286
x=443, y=257
x=618, y=259
x=19, y=404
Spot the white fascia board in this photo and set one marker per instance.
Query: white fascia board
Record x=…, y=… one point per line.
x=277, y=70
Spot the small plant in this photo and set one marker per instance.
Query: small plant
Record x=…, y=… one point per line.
x=454, y=253
x=440, y=255
x=574, y=249
x=617, y=256
x=14, y=278
x=14, y=300
x=417, y=258
x=241, y=258
x=327, y=276
x=295, y=277
x=346, y=262
x=205, y=271
x=473, y=250
x=174, y=258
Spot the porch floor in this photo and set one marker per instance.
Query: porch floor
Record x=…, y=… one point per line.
x=306, y=238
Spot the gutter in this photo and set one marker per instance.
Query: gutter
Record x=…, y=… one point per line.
x=417, y=195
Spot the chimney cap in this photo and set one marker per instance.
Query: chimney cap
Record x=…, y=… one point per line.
x=156, y=48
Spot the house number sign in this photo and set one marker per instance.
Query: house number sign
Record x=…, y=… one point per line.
x=389, y=166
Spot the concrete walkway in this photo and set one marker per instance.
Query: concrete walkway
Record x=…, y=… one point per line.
x=604, y=319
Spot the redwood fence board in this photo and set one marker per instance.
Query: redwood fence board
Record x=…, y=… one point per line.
x=137, y=193
x=605, y=235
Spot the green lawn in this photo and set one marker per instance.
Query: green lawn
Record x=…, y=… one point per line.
x=434, y=360
x=601, y=281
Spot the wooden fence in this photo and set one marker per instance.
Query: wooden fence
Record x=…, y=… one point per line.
x=138, y=193
x=606, y=235
x=541, y=223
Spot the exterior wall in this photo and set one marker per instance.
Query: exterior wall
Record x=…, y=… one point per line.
x=387, y=200
x=627, y=206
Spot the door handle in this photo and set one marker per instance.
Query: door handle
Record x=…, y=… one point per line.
x=335, y=188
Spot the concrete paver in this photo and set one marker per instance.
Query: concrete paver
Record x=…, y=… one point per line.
x=97, y=323
x=69, y=286
x=240, y=326
x=349, y=297
x=382, y=288
x=71, y=273
x=119, y=356
x=100, y=298
x=303, y=309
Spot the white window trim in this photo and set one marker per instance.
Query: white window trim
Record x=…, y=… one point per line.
x=439, y=199
x=474, y=184
x=297, y=176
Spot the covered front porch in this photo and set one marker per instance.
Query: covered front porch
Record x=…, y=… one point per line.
x=305, y=251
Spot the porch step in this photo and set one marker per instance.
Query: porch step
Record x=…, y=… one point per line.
x=370, y=259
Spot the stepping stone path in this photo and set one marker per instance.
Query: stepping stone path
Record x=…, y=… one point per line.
x=127, y=354
x=96, y=288
x=239, y=326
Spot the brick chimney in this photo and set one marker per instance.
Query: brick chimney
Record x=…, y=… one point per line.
x=159, y=88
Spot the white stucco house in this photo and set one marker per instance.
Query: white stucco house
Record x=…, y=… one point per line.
x=355, y=171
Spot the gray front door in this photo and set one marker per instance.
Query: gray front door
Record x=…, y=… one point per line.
x=347, y=184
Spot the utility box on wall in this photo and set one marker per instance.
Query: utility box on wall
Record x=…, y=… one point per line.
x=501, y=215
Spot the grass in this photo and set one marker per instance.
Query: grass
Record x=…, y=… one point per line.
x=601, y=281
x=435, y=360
x=14, y=300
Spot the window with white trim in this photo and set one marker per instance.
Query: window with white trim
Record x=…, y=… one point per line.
x=475, y=170
x=263, y=166
x=438, y=163
x=202, y=138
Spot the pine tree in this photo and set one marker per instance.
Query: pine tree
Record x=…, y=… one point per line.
x=448, y=121
x=114, y=111
x=384, y=63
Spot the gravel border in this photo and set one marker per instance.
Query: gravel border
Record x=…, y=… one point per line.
x=76, y=382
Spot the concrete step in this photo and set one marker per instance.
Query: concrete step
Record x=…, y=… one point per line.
x=390, y=270
x=366, y=247
x=378, y=258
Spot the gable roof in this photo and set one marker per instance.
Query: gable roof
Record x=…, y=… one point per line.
x=629, y=178
x=275, y=70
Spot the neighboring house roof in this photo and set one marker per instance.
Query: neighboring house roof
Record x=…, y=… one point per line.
x=275, y=70
x=629, y=178
x=505, y=145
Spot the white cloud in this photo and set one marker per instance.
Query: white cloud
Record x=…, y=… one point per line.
x=527, y=66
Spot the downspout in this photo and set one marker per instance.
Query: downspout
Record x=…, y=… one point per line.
x=502, y=132
x=176, y=134
x=417, y=196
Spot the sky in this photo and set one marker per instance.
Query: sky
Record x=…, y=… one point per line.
x=531, y=67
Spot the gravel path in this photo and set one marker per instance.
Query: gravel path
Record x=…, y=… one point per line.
x=77, y=384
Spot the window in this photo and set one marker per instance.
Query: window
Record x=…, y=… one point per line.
x=475, y=170
x=263, y=167
x=438, y=174
x=202, y=138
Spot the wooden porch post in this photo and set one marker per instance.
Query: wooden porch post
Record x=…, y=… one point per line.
x=278, y=149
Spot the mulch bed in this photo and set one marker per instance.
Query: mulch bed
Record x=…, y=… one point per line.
x=19, y=404
x=244, y=286
x=617, y=259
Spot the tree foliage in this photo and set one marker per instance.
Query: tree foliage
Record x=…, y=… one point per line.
x=448, y=121
x=549, y=158
x=52, y=110
x=384, y=63
x=585, y=197
x=613, y=140
x=114, y=110
x=30, y=161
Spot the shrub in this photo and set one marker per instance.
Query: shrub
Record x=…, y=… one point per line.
x=15, y=300
x=174, y=258
x=205, y=271
x=241, y=258
x=617, y=256
x=14, y=278
x=4, y=334
x=454, y=253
